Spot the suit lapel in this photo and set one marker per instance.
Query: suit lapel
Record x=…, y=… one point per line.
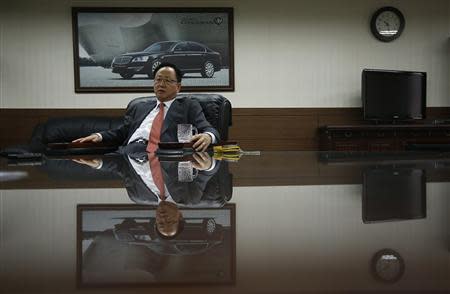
x=137, y=184
x=173, y=115
x=141, y=115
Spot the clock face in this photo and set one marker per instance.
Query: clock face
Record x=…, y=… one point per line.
x=387, y=24
x=388, y=266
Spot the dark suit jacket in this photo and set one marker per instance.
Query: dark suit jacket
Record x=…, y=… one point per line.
x=184, y=193
x=183, y=110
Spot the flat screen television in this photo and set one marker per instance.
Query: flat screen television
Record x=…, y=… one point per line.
x=389, y=95
x=393, y=193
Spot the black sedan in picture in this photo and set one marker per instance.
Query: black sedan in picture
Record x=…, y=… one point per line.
x=190, y=57
x=198, y=236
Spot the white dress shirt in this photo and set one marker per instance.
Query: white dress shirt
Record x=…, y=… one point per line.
x=143, y=131
x=144, y=171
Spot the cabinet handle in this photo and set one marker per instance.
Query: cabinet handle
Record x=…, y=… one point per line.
x=348, y=134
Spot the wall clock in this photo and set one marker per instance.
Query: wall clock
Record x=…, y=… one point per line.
x=387, y=266
x=387, y=24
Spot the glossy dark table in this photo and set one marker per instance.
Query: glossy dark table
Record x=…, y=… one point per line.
x=297, y=222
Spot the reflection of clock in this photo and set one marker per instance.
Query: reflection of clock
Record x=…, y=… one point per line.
x=387, y=24
x=387, y=266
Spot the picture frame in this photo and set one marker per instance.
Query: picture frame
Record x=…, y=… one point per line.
x=116, y=49
x=117, y=246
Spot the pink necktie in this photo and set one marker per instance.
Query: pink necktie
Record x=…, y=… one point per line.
x=155, y=168
x=155, y=132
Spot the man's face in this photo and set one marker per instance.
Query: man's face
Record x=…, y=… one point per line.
x=166, y=86
x=167, y=218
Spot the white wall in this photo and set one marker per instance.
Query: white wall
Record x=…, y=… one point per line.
x=287, y=53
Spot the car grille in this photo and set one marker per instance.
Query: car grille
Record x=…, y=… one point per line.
x=122, y=59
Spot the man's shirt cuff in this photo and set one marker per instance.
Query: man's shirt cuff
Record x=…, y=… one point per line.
x=100, y=135
x=213, y=165
x=213, y=138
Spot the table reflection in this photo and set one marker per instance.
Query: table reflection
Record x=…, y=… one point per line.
x=304, y=222
x=209, y=183
x=120, y=244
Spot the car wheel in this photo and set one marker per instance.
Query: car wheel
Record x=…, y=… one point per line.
x=208, y=69
x=209, y=226
x=126, y=75
x=155, y=64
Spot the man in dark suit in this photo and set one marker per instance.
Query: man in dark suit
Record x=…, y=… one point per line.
x=141, y=118
x=135, y=171
x=142, y=187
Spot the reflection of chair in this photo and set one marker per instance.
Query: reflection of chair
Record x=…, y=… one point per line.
x=217, y=110
x=66, y=169
x=206, y=190
x=218, y=190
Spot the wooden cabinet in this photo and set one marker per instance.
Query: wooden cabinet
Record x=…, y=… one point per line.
x=384, y=137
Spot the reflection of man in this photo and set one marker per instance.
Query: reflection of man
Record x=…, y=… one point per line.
x=147, y=123
x=169, y=220
x=149, y=181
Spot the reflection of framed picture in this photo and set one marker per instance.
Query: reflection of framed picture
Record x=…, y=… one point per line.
x=116, y=49
x=118, y=245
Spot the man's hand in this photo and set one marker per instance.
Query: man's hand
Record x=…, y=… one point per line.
x=202, y=161
x=94, y=163
x=91, y=138
x=201, y=142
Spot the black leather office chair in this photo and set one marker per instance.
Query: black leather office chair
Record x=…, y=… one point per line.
x=217, y=111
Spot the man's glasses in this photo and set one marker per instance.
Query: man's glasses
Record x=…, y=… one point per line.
x=166, y=81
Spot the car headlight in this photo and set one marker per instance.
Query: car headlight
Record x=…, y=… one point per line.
x=140, y=59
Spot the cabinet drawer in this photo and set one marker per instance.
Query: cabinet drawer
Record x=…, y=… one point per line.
x=380, y=134
x=382, y=146
x=348, y=147
x=347, y=134
x=414, y=133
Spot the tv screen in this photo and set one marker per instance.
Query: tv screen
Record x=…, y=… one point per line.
x=391, y=194
x=389, y=95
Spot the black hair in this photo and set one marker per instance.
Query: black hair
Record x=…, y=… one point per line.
x=178, y=72
x=179, y=230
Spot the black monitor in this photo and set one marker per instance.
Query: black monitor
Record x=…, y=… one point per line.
x=389, y=95
x=391, y=194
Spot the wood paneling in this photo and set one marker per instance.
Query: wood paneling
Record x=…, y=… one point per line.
x=253, y=128
x=16, y=125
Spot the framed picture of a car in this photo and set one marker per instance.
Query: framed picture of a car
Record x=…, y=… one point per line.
x=125, y=245
x=117, y=49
